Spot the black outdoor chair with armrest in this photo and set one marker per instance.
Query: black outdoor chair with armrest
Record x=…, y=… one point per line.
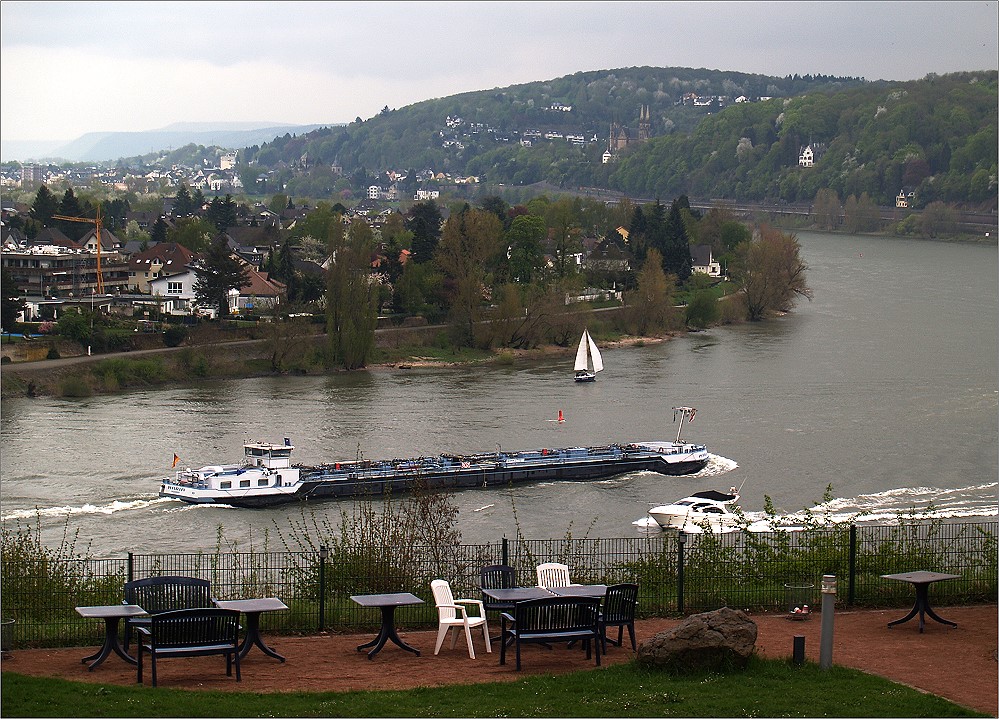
x=164, y=594
x=619, y=611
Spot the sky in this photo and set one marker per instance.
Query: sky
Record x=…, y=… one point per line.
x=68, y=68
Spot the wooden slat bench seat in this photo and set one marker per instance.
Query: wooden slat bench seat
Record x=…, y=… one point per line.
x=190, y=633
x=555, y=619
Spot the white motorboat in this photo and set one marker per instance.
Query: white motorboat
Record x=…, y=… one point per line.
x=588, y=359
x=710, y=509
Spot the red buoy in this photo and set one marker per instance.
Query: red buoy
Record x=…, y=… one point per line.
x=560, y=417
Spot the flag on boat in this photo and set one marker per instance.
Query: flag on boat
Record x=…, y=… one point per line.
x=175, y=460
x=287, y=441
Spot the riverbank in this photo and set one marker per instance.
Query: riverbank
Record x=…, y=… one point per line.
x=164, y=368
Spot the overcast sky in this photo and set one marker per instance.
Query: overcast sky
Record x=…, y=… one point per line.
x=67, y=68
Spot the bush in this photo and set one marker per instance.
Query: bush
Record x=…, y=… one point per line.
x=53, y=353
x=173, y=336
x=75, y=387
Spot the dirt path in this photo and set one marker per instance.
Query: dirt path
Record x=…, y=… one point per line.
x=956, y=663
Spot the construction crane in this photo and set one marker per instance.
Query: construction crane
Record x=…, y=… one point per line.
x=94, y=221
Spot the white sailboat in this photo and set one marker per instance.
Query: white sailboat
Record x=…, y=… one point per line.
x=588, y=359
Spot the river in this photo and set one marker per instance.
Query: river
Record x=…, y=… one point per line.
x=883, y=387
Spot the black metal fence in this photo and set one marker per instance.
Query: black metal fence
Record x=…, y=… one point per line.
x=677, y=574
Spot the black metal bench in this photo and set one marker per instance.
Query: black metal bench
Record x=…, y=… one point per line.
x=190, y=633
x=164, y=594
x=547, y=620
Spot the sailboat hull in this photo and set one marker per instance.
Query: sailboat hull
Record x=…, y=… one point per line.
x=585, y=377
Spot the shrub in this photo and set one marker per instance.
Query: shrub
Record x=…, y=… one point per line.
x=53, y=353
x=173, y=336
x=75, y=387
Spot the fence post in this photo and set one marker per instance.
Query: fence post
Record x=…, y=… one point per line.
x=681, y=540
x=323, y=553
x=852, y=576
x=506, y=552
x=131, y=568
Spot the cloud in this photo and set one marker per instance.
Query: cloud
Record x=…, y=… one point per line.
x=68, y=67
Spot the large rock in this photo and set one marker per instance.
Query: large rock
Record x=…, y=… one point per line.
x=722, y=639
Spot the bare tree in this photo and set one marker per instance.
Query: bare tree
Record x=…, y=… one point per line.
x=770, y=273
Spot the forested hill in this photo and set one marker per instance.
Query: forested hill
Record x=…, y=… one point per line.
x=936, y=137
x=712, y=134
x=485, y=133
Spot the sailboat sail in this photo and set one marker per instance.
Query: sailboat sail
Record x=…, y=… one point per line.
x=598, y=361
x=581, y=353
x=587, y=357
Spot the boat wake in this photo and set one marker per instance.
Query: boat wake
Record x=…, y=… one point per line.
x=112, y=507
x=716, y=465
x=889, y=507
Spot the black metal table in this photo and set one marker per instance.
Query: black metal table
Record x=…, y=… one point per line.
x=921, y=581
x=387, y=603
x=252, y=608
x=112, y=615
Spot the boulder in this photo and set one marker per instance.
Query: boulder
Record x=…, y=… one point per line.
x=722, y=639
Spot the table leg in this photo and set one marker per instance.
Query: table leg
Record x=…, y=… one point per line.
x=112, y=643
x=385, y=633
x=922, y=608
x=253, y=637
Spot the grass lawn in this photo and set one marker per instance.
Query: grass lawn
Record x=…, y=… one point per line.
x=772, y=688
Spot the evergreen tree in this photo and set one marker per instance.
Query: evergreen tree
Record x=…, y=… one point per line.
x=222, y=213
x=424, y=221
x=44, y=206
x=676, y=252
x=199, y=200
x=284, y=270
x=159, y=233
x=11, y=302
x=183, y=204
x=218, y=273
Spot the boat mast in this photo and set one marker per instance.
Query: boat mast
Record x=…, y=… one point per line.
x=687, y=412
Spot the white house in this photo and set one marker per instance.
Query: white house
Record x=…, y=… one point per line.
x=703, y=261
x=374, y=192
x=807, y=157
x=174, y=293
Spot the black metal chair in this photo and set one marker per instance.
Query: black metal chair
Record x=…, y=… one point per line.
x=497, y=576
x=164, y=594
x=619, y=611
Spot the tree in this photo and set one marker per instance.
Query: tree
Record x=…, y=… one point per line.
x=351, y=295
x=524, y=243
x=284, y=270
x=469, y=240
x=703, y=310
x=218, y=273
x=11, y=302
x=193, y=233
x=159, y=233
x=651, y=304
x=44, y=206
x=424, y=221
x=565, y=233
x=826, y=209
x=199, y=200
x=183, y=204
x=676, y=255
x=222, y=213
x=770, y=273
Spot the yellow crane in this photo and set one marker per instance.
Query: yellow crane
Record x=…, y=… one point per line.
x=94, y=221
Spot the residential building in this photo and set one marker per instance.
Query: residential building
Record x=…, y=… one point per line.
x=162, y=259
x=702, y=260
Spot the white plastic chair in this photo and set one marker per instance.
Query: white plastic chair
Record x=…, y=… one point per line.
x=452, y=615
x=553, y=574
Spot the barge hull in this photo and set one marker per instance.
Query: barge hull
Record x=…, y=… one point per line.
x=320, y=489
